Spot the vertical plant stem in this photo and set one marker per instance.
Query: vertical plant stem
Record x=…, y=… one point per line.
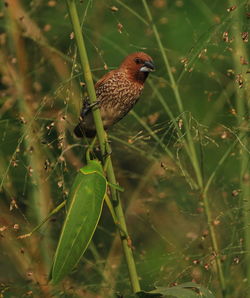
x=104, y=146
x=39, y=195
x=242, y=97
x=214, y=242
x=190, y=149
x=40, y=190
x=209, y=217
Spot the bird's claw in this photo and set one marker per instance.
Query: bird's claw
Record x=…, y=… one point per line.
x=87, y=106
x=107, y=154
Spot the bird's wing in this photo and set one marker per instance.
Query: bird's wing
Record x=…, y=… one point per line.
x=99, y=89
x=105, y=78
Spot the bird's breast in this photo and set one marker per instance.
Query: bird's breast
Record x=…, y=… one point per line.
x=117, y=97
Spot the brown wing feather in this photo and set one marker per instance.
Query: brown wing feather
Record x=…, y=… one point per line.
x=106, y=77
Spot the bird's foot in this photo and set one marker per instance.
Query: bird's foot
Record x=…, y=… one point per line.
x=87, y=106
x=107, y=154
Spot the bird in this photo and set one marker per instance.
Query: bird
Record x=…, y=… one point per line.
x=116, y=93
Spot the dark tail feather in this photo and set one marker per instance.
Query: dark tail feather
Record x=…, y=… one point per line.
x=80, y=132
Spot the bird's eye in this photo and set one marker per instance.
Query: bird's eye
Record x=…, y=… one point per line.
x=138, y=61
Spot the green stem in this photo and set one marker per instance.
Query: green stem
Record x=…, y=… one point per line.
x=209, y=217
x=191, y=148
x=104, y=146
x=214, y=243
x=133, y=12
x=86, y=70
x=242, y=107
x=39, y=191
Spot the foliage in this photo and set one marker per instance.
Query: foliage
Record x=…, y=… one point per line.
x=182, y=155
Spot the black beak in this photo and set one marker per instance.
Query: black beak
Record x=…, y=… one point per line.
x=148, y=66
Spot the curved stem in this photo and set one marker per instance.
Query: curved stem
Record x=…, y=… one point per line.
x=190, y=148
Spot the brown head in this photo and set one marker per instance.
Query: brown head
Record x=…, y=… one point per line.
x=137, y=66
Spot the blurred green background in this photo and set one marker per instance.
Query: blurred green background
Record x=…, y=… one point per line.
x=185, y=224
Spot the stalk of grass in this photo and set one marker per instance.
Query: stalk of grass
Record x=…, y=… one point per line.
x=209, y=215
x=105, y=148
x=133, y=12
x=190, y=148
x=242, y=105
x=39, y=192
x=204, y=8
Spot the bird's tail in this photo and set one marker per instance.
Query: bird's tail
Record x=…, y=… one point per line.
x=80, y=131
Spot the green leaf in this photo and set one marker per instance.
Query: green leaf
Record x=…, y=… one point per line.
x=84, y=208
x=185, y=290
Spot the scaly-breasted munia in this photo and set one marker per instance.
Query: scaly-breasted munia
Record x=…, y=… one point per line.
x=116, y=93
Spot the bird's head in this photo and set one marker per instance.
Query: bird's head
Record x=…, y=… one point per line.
x=138, y=66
